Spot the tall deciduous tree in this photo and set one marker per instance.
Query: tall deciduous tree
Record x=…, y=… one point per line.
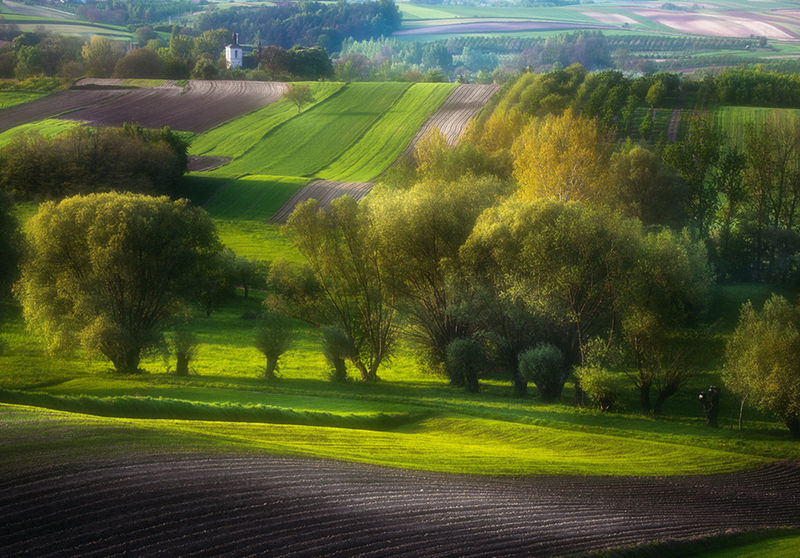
x=347, y=286
x=561, y=157
x=762, y=364
x=107, y=270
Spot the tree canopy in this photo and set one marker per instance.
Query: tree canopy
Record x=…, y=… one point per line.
x=107, y=270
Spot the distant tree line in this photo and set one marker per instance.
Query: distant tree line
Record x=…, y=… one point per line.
x=307, y=24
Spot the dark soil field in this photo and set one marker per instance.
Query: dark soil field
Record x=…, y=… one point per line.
x=195, y=108
x=54, y=105
x=296, y=507
x=324, y=191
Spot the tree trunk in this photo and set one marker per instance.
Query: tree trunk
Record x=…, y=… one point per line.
x=644, y=398
x=127, y=362
x=182, y=365
x=269, y=371
x=339, y=370
x=793, y=423
x=366, y=375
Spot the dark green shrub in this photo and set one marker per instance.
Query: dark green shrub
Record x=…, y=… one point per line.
x=599, y=384
x=273, y=338
x=337, y=348
x=184, y=345
x=464, y=359
x=544, y=366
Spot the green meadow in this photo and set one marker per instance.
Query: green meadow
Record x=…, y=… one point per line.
x=12, y=98
x=48, y=127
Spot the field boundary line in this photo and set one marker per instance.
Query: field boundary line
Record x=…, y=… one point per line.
x=364, y=133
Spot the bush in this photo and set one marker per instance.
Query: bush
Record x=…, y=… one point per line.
x=464, y=359
x=184, y=345
x=544, y=365
x=273, y=338
x=599, y=384
x=336, y=347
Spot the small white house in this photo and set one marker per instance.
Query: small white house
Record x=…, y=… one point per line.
x=233, y=53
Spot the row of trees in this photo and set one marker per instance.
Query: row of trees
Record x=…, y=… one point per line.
x=87, y=159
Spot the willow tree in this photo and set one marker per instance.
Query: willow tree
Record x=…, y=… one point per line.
x=108, y=270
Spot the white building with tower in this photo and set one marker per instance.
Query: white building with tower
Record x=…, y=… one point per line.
x=233, y=53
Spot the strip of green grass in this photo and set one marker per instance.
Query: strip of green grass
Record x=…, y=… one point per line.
x=384, y=142
x=451, y=445
x=144, y=82
x=49, y=127
x=311, y=141
x=235, y=137
x=12, y=98
x=254, y=197
x=734, y=120
x=257, y=240
x=782, y=547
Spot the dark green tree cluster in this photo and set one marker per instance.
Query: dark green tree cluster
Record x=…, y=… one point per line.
x=296, y=63
x=307, y=24
x=124, y=12
x=87, y=159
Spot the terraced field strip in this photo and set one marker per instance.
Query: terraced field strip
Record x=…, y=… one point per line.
x=295, y=507
x=13, y=98
x=254, y=197
x=232, y=139
x=53, y=106
x=734, y=120
x=197, y=107
x=324, y=191
x=311, y=141
x=383, y=143
x=454, y=114
x=49, y=127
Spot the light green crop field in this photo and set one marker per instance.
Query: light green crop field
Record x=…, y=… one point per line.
x=315, y=138
x=253, y=197
x=383, y=143
x=143, y=82
x=235, y=137
x=257, y=240
x=778, y=547
x=734, y=120
x=12, y=98
x=48, y=127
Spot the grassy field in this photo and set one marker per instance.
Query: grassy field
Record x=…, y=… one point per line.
x=234, y=138
x=12, y=98
x=253, y=197
x=47, y=127
x=315, y=138
x=734, y=120
x=385, y=141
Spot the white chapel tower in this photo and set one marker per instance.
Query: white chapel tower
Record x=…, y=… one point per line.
x=233, y=53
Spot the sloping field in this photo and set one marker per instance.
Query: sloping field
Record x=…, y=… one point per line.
x=294, y=507
x=385, y=141
x=195, y=108
x=734, y=120
x=324, y=191
x=253, y=197
x=53, y=106
x=49, y=127
x=13, y=98
x=311, y=141
x=234, y=138
x=455, y=113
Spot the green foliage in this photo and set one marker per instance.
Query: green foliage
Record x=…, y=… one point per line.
x=337, y=348
x=184, y=345
x=273, y=338
x=600, y=386
x=11, y=245
x=464, y=360
x=108, y=269
x=48, y=127
x=85, y=159
x=761, y=362
x=544, y=365
x=300, y=95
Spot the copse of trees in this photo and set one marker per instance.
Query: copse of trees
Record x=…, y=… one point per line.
x=87, y=159
x=106, y=271
x=10, y=245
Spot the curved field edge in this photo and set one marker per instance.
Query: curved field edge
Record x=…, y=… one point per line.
x=382, y=143
x=48, y=127
x=446, y=445
x=237, y=136
x=253, y=197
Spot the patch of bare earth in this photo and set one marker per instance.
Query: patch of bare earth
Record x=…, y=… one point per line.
x=199, y=163
x=281, y=506
x=719, y=24
x=454, y=114
x=198, y=106
x=324, y=191
x=54, y=105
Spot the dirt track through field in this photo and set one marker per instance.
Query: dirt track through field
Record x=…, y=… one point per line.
x=199, y=106
x=324, y=191
x=295, y=507
x=455, y=113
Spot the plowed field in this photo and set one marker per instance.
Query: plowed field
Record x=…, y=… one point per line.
x=455, y=113
x=324, y=191
x=293, y=507
x=54, y=105
x=195, y=108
